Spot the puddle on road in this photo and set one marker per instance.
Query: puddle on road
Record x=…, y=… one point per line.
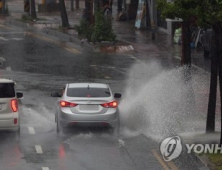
x=158, y=103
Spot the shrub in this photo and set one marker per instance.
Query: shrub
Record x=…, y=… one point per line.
x=101, y=30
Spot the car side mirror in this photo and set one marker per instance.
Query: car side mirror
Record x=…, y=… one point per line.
x=117, y=95
x=56, y=94
x=19, y=95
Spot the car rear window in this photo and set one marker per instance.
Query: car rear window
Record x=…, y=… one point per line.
x=88, y=92
x=7, y=90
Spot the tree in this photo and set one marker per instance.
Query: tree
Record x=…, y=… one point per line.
x=185, y=10
x=33, y=11
x=63, y=13
x=208, y=13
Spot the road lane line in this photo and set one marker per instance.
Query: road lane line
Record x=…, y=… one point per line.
x=18, y=39
x=172, y=165
x=162, y=163
x=45, y=168
x=2, y=59
x=54, y=42
x=31, y=130
x=38, y=149
x=3, y=39
x=8, y=69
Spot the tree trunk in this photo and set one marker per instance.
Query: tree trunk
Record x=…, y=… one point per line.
x=210, y=127
x=63, y=13
x=219, y=53
x=72, y=5
x=186, y=49
x=33, y=12
x=120, y=5
x=77, y=4
x=87, y=10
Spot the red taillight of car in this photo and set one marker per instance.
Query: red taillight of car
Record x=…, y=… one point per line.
x=14, y=105
x=67, y=104
x=113, y=104
x=15, y=121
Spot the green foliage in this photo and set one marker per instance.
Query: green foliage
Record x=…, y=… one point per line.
x=101, y=30
x=206, y=12
x=84, y=29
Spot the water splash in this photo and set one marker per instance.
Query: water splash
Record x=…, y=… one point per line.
x=158, y=103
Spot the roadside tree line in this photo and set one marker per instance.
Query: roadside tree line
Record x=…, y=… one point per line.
x=207, y=13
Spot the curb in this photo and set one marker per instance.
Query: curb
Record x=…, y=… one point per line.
x=202, y=161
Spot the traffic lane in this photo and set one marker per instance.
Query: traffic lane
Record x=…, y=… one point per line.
x=38, y=117
x=37, y=56
x=83, y=151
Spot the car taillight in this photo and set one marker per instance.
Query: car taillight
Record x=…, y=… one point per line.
x=113, y=104
x=67, y=104
x=14, y=105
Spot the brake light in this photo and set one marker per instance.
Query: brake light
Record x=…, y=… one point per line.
x=14, y=105
x=113, y=104
x=67, y=104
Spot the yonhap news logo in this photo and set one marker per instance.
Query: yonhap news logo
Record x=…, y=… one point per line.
x=171, y=148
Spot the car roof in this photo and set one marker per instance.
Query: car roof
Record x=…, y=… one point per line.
x=85, y=85
x=3, y=80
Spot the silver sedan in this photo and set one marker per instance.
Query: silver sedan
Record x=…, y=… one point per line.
x=86, y=104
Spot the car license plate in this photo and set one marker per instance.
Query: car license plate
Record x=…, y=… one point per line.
x=89, y=107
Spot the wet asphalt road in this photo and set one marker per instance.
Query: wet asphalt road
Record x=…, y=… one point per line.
x=40, y=66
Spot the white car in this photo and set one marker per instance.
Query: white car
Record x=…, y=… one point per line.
x=9, y=109
x=86, y=104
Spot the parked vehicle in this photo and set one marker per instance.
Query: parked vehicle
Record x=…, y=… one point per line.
x=9, y=107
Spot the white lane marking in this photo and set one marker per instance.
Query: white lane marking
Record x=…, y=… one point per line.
x=107, y=77
x=18, y=39
x=2, y=59
x=28, y=25
x=8, y=69
x=45, y=168
x=3, y=39
x=38, y=149
x=133, y=57
x=31, y=130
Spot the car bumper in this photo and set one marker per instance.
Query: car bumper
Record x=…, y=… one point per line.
x=110, y=118
x=9, y=124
